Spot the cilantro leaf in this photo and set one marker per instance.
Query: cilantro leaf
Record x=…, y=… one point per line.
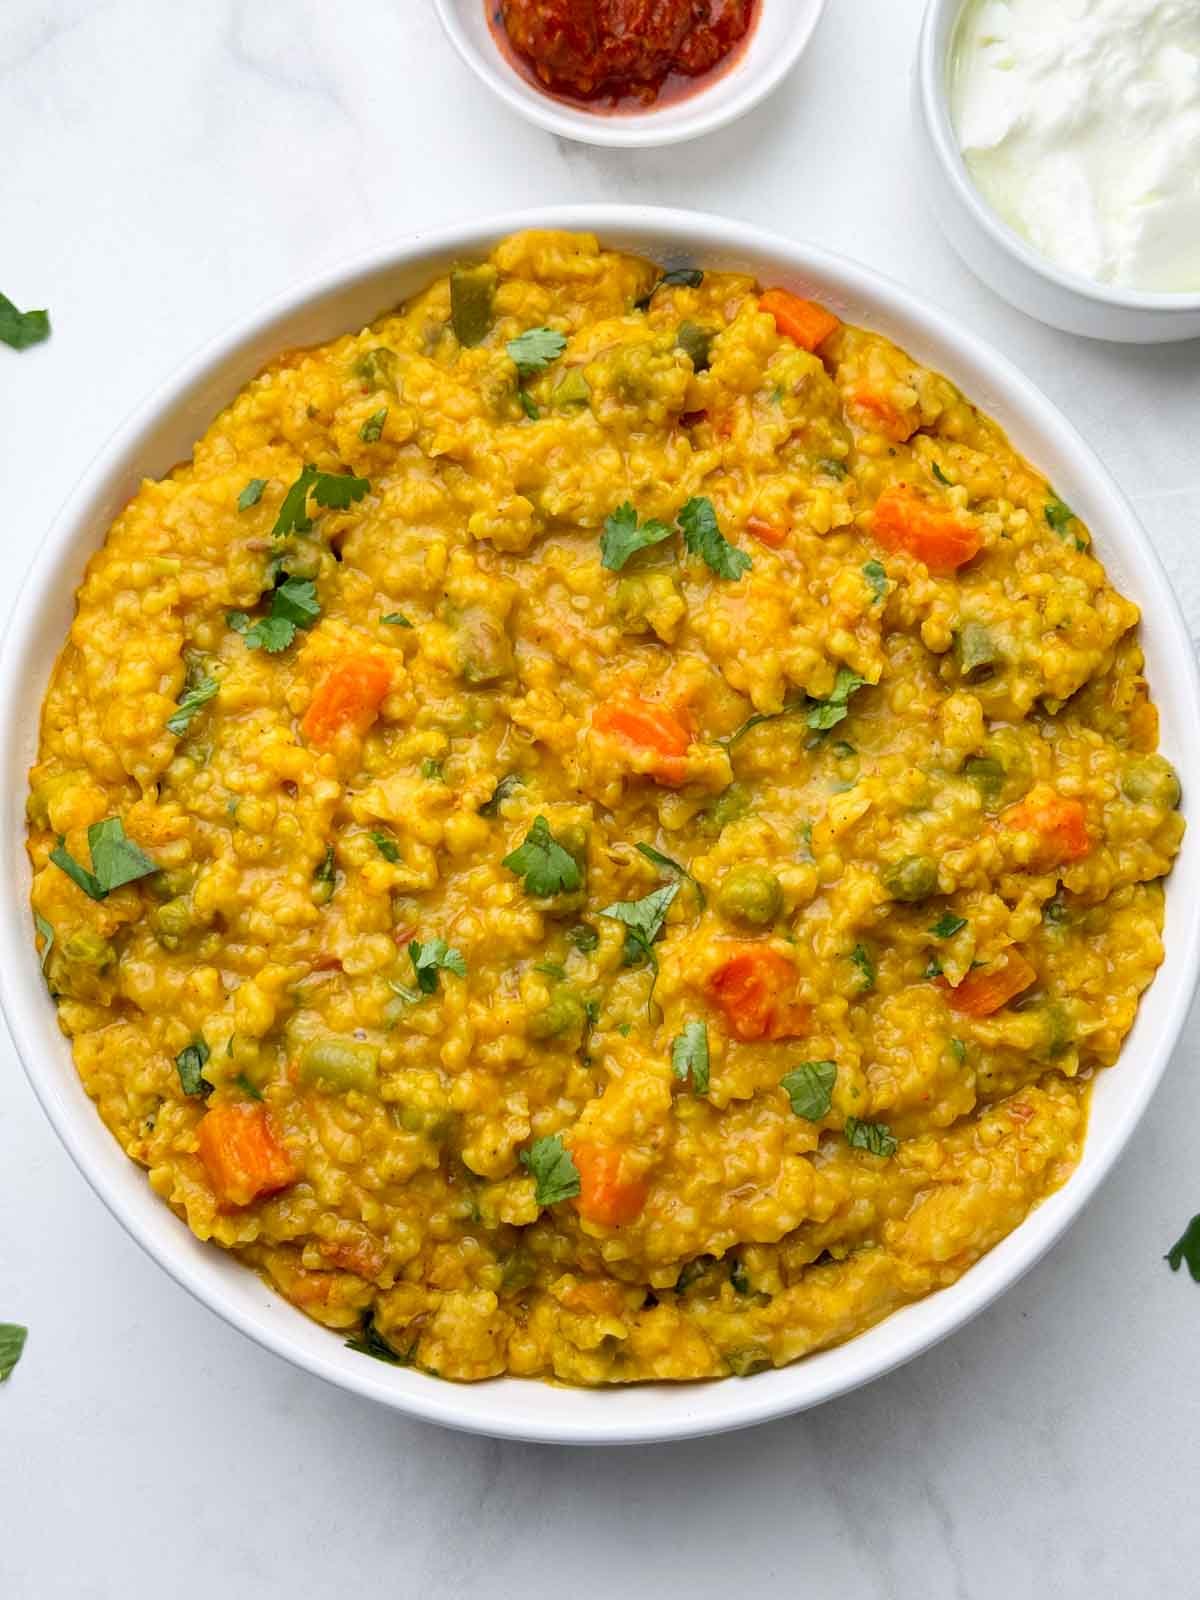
x=377, y=368
x=826, y=714
x=46, y=929
x=528, y=405
x=1186, y=1249
x=431, y=957
x=1059, y=516
x=370, y=1342
x=116, y=860
x=583, y=937
x=12, y=1342
x=535, y=349
x=865, y=966
x=251, y=494
x=508, y=783
x=810, y=1088
x=958, y=1050
x=432, y=769
x=372, y=429
x=947, y=925
x=624, y=538
x=941, y=476
x=873, y=1136
x=294, y=604
x=689, y=1056
x=833, y=468
x=738, y=1276
x=189, y=1063
x=190, y=702
x=333, y=490
x=703, y=537
x=643, y=920
x=387, y=846
x=325, y=871
x=396, y=619
x=665, y=864
x=20, y=329
x=555, y=1175
x=248, y=1088
x=876, y=575
x=689, y=277
x=543, y=863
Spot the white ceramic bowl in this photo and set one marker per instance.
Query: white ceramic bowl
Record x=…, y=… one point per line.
x=1005, y=261
x=163, y=432
x=779, y=38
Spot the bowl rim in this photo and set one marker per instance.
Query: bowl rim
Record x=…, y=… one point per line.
x=634, y=129
x=503, y=1407
x=942, y=18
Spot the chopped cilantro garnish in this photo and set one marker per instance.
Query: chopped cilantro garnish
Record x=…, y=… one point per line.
x=810, y=1088
x=689, y=1056
x=12, y=1343
x=46, y=929
x=555, y=1175
x=377, y=368
x=866, y=968
x=941, y=476
x=189, y=1064
x=1059, y=516
x=704, y=538
x=934, y=969
x=431, y=769
x=251, y=494
x=877, y=579
x=643, y=920
x=689, y=277
x=386, y=845
x=335, y=491
x=535, y=349
x=826, y=714
x=116, y=860
x=543, y=863
x=20, y=329
x=190, y=702
x=665, y=863
x=528, y=405
x=624, y=537
x=947, y=925
x=873, y=1136
x=372, y=429
x=738, y=1276
x=249, y=1089
x=583, y=937
x=325, y=871
x=550, y=969
x=1186, y=1249
x=958, y=1050
x=396, y=619
x=507, y=784
x=294, y=604
x=833, y=467
x=432, y=956
x=370, y=1342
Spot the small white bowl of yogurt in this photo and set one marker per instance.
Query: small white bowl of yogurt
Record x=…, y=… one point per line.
x=1061, y=147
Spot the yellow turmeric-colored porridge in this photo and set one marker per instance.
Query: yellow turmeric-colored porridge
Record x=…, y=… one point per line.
x=600, y=827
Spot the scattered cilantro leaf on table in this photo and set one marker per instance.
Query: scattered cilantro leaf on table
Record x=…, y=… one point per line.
x=20, y=329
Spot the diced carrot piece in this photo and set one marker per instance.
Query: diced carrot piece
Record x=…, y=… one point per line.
x=802, y=321
x=242, y=1154
x=987, y=990
x=876, y=411
x=1060, y=823
x=768, y=533
x=363, y=1256
x=649, y=728
x=349, y=696
x=606, y=1195
x=942, y=540
x=751, y=989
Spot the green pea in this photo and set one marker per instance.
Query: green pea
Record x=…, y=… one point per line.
x=340, y=1065
x=472, y=298
x=431, y=1122
x=696, y=344
x=913, y=878
x=750, y=894
x=88, y=949
x=171, y=921
x=1151, y=780
x=986, y=773
x=482, y=648
x=563, y=1013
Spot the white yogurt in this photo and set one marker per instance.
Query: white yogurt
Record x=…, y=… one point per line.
x=1080, y=123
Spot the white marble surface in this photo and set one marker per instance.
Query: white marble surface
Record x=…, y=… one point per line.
x=164, y=167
